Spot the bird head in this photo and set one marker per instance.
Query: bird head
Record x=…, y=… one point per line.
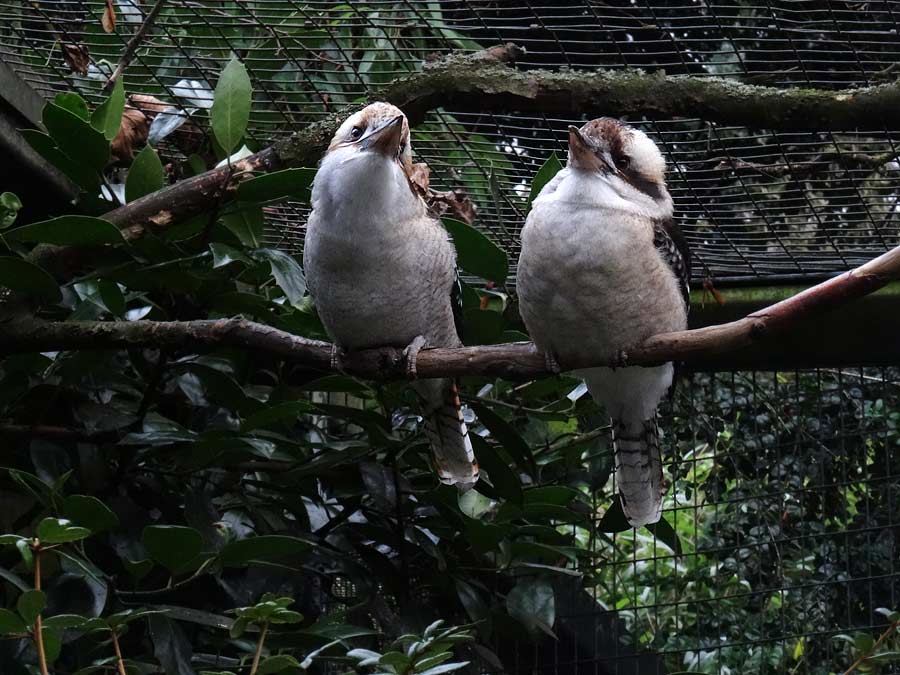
x=619, y=152
x=377, y=128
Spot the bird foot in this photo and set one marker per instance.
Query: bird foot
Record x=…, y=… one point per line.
x=337, y=358
x=410, y=353
x=551, y=363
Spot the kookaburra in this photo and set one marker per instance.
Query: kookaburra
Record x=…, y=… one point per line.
x=603, y=267
x=382, y=270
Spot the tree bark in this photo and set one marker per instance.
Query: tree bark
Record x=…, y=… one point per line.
x=512, y=361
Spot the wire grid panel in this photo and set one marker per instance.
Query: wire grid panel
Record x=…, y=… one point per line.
x=785, y=494
x=753, y=203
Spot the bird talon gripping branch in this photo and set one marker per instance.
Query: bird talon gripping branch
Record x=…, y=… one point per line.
x=411, y=353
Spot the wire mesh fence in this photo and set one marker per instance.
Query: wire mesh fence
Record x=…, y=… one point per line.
x=752, y=202
x=785, y=485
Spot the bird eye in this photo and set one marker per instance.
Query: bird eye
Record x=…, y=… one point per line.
x=622, y=162
x=356, y=132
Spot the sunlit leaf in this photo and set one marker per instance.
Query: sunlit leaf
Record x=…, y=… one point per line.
x=231, y=105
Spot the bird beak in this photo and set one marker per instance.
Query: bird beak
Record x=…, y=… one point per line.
x=385, y=139
x=586, y=155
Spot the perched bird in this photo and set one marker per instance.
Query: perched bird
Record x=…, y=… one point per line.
x=603, y=267
x=382, y=270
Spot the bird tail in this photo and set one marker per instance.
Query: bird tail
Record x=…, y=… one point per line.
x=639, y=474
x=447, y=433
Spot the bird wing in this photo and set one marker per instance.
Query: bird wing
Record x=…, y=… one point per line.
x=673, y=247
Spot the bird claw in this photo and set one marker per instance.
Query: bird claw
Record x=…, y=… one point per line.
x=621, y=360
x=410, y=353
x=551, y=363
x=337, y=358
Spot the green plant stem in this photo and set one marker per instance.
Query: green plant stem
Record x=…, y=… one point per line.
x=259, y=647
x=868, y=654
x=38, y=623
x=120, y=664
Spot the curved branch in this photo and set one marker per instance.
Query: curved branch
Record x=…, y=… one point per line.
x=513, y=361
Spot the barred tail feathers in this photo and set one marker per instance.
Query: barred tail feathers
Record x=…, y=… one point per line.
x=447, y=433
x=630, y=396
x=639, y=474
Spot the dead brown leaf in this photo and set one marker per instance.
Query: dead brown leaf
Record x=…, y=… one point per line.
x=132, y=135
x=78, y=57
x=109, y=17
x=453, y=203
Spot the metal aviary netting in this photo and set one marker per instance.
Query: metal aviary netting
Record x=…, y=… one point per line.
x=752, y=202
x=785, y=487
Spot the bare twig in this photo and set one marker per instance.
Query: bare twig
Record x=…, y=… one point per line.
x=259, y=647
x=133, y=45
x=120, y=663
x=38, y=621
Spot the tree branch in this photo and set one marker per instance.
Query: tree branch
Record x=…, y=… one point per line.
x=483, y=81
x=512, y=361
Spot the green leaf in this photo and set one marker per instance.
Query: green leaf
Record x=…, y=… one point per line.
x=231, y=105
x=73, y=103
x=666, y=534
x=474, y=504
x=286, y=184
x=614, y=519
x=107, y=118
x=64, y=621
x=223, y=254
x=52, y=643
x=60, y=531
x=90, y=512
x=471, y=601
x=68, y=231
x=266, y=547
x=246, y=224
x=275, y=664
x=9, y=208
x=11, y=623
x=543, y=176
x=172, y=546
x=84, y=176
x=287, y=272
x=532, y=602
x=137, y=568
x=503, y=478
x=30, y=605
x=477, y=254
x=146, y=175
x=281, y=412
x=504, y=433
x=445, y=668
x=23, y=277
x=76, y=137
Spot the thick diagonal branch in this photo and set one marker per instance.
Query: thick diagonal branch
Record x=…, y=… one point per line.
x=514, y=361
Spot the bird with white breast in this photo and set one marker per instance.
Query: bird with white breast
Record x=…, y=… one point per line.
x=603, y=267
x=382, y=270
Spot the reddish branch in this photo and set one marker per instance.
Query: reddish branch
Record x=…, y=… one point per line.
x=514, y=361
